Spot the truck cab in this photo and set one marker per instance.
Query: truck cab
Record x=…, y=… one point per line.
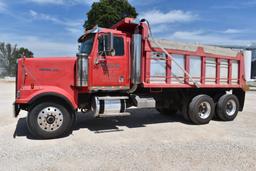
x=103, y=60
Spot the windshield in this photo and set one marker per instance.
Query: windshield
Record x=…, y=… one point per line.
x=86, y=45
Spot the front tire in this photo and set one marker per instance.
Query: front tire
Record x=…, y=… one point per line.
x=49, y=120
x=227, y=107
x=201, y=109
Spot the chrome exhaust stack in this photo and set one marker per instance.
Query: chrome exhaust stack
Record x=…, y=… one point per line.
x=136, y=59
x=82, y=70
x=136, y=62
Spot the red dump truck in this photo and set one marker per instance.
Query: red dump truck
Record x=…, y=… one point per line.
x=124, y=66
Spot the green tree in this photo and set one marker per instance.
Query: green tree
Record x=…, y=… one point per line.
x=9, y=55
x=106, y=13
x=24, y=52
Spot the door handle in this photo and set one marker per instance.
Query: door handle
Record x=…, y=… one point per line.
x=100, y=60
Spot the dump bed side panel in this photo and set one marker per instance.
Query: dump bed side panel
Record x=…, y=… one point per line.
x=209, y=66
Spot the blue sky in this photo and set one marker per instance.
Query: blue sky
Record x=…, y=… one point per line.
x=51, y=27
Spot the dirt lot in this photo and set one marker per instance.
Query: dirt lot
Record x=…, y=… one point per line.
x=145, y=140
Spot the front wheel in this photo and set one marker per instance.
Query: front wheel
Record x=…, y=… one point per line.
x=49, y=120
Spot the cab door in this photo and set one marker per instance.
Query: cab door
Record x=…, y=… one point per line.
x=111, y=67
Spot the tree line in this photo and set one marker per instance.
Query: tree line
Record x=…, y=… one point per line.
x=8, y=57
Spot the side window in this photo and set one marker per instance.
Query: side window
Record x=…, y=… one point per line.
x=100, y=46
x=118, y=45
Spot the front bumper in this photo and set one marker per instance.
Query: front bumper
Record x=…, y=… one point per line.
x=16, y=109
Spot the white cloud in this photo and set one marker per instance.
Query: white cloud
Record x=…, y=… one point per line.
x=74, y=30
x=63, y=2
x=47, y=1
x=160, y=28
x=33, y=13
x=41, y=47
x=47, y=46
x=208, y=38
x=73, y=26
x=236, y=6
x=232, y=31
x=186, y=35
x=251, y=2
x=42, y=16
x=3, y=6
x=142, y=2
x=173, y=16
x=90, y=2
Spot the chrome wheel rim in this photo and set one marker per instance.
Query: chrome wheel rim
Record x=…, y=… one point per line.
x=231, y=107
x=50, y=119
x=204, y=110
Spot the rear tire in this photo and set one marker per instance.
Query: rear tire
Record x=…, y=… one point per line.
x=227, y=107
x=49, y=120
x=201, y=109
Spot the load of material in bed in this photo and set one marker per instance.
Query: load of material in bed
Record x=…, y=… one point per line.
x=173, y=45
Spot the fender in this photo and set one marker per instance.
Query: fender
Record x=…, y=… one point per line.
x=53, y=94
x=67, y=96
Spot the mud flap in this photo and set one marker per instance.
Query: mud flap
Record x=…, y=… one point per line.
x=16, y=109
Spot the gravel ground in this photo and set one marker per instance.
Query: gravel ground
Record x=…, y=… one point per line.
x=145, y=140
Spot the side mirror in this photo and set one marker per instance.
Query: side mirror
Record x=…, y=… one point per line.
x=109, y=42
x=106, y=44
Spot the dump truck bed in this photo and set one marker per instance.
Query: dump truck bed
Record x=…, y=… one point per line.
x=208, y=66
